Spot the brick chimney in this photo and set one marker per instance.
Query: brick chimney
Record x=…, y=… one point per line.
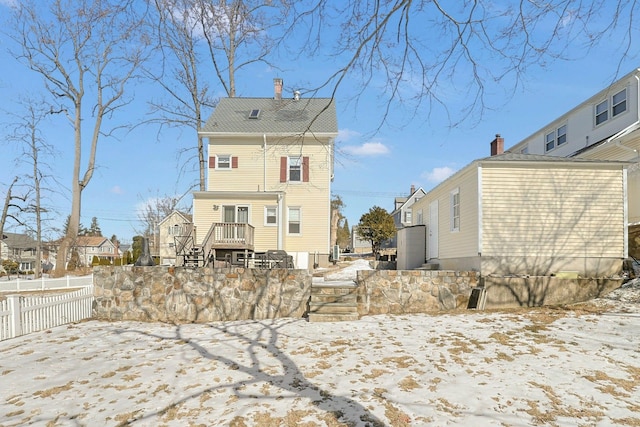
x=413, y=189
x=497, y=145
x=277, y=89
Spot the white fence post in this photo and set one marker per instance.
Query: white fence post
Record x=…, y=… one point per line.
x=15, y=324
x=18, y=282
x=42, y=280
x=68, y=281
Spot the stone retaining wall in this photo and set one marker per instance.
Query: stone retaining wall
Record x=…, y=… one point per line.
x=413, y=291
x=175, y=294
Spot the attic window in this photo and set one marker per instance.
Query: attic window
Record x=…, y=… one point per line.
x=254, y=114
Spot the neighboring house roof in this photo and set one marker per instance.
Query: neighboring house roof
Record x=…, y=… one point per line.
x=19, y=241
x=185, y=216
x=508, y=157
x=403, y=201
x=282, y=117
x=90, y=241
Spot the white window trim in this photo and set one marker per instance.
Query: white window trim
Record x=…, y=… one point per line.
x=289, y=169
x=452, y=217
x=554, y=132
x=610, y=107
x=218, y=162
x=266, y=209
x=289, y=208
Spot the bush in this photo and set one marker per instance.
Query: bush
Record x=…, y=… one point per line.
x=105, y=261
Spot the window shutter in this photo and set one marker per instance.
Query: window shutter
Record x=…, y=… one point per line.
x=305, y=169
x=212, y=162
x=283, y=169
x=234, y=162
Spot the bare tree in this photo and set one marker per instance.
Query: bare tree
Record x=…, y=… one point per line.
x=451, y=55
x=201, y=38
x=153, y=211
x=9, y=204
x=87, y=52
x=27, y=131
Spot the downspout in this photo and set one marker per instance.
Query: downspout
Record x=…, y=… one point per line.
x=264, y=162
x=280, y=216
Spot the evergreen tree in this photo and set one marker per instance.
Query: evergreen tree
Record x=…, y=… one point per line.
x=376, y=226
x=344, y=235
x=94, y=228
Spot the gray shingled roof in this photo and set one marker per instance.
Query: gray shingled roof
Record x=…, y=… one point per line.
x=519, y=157
x=286, y=116
x=19, y=241
x=508, y=156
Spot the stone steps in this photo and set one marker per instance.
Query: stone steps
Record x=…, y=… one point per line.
x=429, y=266
x=333, y=302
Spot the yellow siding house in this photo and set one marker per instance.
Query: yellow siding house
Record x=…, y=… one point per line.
x=526, y=214
x=269, y=178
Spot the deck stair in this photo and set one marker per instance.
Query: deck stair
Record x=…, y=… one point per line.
x=195, y=257
x=333, y=302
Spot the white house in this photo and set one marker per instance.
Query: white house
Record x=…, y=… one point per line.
x=604, y=127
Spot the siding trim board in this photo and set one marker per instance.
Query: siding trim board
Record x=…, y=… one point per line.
x=480, y=212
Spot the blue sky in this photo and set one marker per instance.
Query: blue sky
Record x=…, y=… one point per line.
x=372, y=166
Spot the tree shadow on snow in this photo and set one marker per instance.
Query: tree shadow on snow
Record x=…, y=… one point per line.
x=262, y=347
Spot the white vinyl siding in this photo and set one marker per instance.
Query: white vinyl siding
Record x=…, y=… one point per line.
x=574, y=211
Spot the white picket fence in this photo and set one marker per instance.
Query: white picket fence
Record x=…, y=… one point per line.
x=45, y=283
x=21, y=315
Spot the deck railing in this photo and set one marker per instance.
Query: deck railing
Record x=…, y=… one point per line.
x=228, y=235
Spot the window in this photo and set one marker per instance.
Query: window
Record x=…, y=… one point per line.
x=419, y=219
x=618, y=104
x=561, y=135
x=223, y=161
x=525, y=150
x=295, y=215
x=254, y=114
x=407, y=217
x=270, y=215
x=550, y=141
x=555, y=138
x=455, y=210
x=295, y=169
x=602, y=112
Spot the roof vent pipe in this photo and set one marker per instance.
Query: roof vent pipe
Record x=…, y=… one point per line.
x=296, y=95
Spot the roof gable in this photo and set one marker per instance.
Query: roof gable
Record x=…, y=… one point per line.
x=185, y=217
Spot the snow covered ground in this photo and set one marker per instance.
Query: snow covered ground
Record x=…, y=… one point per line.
x=570, y=366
